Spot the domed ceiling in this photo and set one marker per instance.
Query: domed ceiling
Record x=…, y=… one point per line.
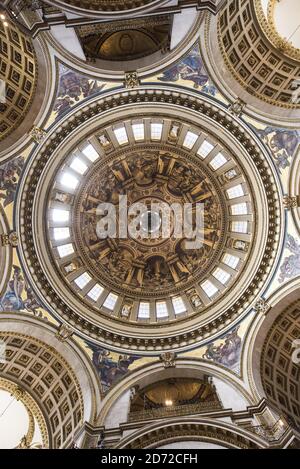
x=256, y=57
x=173, y=392
x=108, y=5
x=149, y=221
x=143, y=278
x=280, y=374
x=146, y=264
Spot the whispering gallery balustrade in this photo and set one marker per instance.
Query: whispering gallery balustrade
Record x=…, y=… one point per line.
x=270, y=433
x=174, y=411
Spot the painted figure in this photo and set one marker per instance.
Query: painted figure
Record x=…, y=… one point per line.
x=72, y=88
x=282, y=143
x=191, y=68
x=109, y=369
x=228, y=353
x=9, y=176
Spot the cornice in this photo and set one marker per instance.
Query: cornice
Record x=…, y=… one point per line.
x=269, y=28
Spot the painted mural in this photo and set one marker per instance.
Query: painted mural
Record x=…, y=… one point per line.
x=282, y=143
x=111, y=367
x=291, y=265
x=190, y=70
x=227, y=349
x=9, y=177
x=228, y=352
x=18, y=295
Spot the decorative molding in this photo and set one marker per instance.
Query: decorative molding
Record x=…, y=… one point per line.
x=31, y=406
x=64, y=333
x=108, y=8
x=237, y=108
x=6, y=251
x=39, y=369
x=261, y=306
x=38, y=135
x=174, y=430
x=10, y=239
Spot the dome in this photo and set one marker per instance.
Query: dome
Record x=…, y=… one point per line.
x=19, y=72
x=109, y=7
x=149, y=226
x=148, y=280
x=255, y=58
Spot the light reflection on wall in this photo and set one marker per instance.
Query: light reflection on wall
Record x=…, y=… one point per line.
x=14, y=422
x=287, y=20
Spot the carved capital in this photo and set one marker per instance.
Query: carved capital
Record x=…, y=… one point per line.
x=168, y=359
x=64, y=333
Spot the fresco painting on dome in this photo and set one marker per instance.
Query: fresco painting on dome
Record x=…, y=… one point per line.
x=226, y=353
x=226, y=350
x=282, y=143
x=9, y=177
x=73, y=87
x=111, y=366
x=19, y=295
x=190, y=71
x=290, y=267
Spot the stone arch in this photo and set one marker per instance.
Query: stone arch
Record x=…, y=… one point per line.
x=270, y=344
x=54, y=371
x=205, y=430
x=29, y=86
x=33, y=409
x=231, y=390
